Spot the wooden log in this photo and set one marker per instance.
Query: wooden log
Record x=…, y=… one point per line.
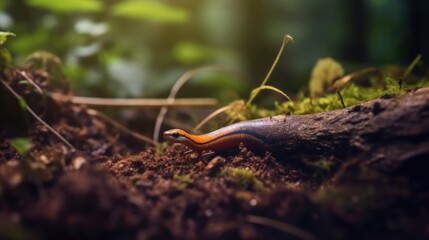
x=387, y=131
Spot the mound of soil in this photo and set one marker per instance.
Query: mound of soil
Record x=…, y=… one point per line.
x=100, y=189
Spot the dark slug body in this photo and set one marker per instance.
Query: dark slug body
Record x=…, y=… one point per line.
x=285, y=135
x=257, y=135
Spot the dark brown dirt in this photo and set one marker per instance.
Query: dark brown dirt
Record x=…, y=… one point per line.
x=101, y=190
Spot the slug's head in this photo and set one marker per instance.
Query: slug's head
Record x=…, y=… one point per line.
x=176, y=136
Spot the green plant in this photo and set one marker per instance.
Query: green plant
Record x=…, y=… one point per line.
x=243, y=177
x=5, y=56
x=182, y=181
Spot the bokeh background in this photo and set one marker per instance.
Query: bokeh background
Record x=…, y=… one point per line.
x=122, y=48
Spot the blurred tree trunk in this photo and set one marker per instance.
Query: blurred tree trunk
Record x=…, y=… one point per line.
x=418, y=32
x=355, y=43
x=255, y=46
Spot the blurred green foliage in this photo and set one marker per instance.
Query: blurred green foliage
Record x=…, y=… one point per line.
x=5, y=56
x=4, y=35
x=151, y=10
x=244, y=177
x=21, y=145
x=133, y=48
x=67, y=5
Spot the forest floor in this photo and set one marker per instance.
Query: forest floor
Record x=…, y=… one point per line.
x=103, y=191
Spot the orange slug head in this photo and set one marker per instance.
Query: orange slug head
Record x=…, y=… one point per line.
x=176, y=136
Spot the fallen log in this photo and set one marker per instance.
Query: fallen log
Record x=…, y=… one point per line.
x=386, y=131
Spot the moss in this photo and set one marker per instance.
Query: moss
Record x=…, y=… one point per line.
x=182, y=181
x=352, y=94
x=134, y=178
x=160, y=149
x=351, y=198
x=322, y=168
x=325, y=70
x=243, y=177
x=11, y=230
x=362, y=191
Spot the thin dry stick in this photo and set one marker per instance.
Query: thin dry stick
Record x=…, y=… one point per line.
x=24, y=74
x=140, y=102
x=176, y=87
x=412, y=65
x=340, y=82
x=286, y=39
x=257, y=90
x=18, y=97
x=39, y=89
x=282, y=226
x=210, y=116
x=119, y=126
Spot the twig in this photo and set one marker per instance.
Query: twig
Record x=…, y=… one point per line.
x=176, y=87
x=411, y=67
x=282, y=226
x=17, y=96
x=210, y=116
x=119, y=126
x=22, y=73
x=39, y=89
x=342, y=81
x=140, y=102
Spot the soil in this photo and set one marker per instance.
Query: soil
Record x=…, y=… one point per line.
x=103, y=189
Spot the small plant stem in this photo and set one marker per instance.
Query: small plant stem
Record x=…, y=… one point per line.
x=286, y=40
x=17, y=96
x=341, y=98
x=411, y=67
